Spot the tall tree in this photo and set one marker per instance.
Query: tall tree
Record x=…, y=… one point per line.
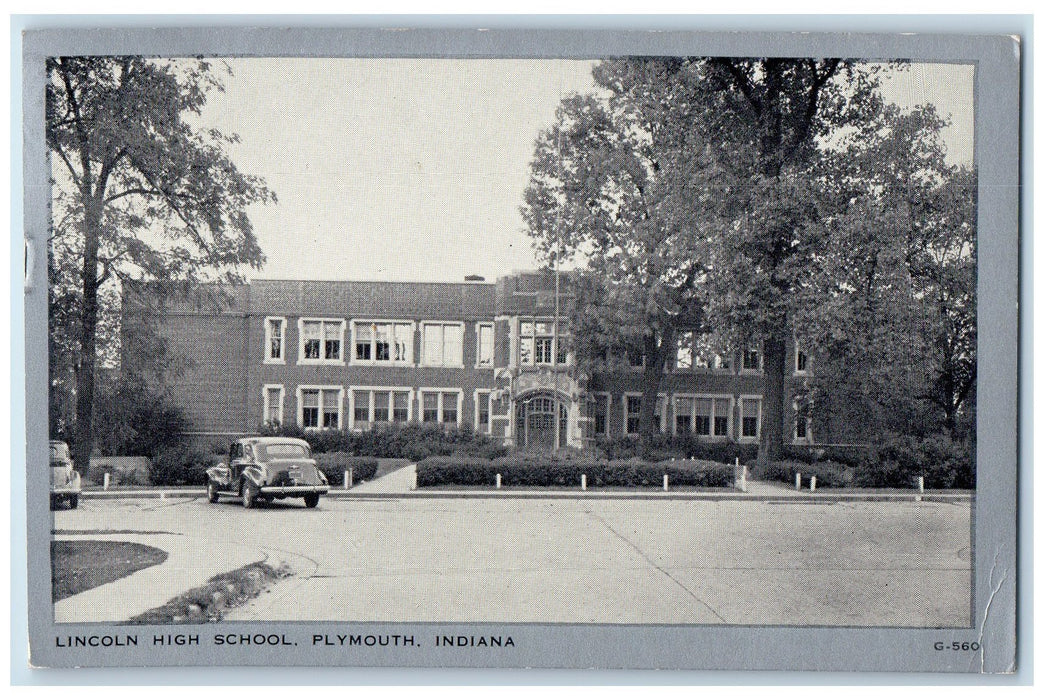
x=141, y=190
x=772, y=116
x=890, y=304
x=613, y=189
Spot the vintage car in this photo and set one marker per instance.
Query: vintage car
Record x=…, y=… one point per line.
x=266, y=468
x=65, y=481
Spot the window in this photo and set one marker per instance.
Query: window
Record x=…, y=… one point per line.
x=440, y=406
x=379, y=405
x=800, y=360
x=802, y=421
x=382, y=342
x=484, y=351
x=361, y=412
x=682, y=415
x=750, y=417
x=274, y=336
x=633, y=407
x=723, y=362
x=443, y=344
x=321, y=341
x=751, y=360
x=599, y=411
x=538, y=344
x=319, y=407
x=272, y=410
x=482, y=402
x=706, y=416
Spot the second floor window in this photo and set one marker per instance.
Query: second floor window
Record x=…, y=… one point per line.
x=321, y=340
x=485, y=345
x=443, y=344
x=538, y=343
x=751, y=360
x=383, y=341
x=274, y=335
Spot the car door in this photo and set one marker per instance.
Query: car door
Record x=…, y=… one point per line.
x=235, y=464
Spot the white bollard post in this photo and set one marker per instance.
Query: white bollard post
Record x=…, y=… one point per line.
x=108, y=479
x=743, y=478
x=920, y=484
x=498, y=481
x=583, y=482
x=665, y=482
x=797, y=481
x=812, y=483
x=348, y=478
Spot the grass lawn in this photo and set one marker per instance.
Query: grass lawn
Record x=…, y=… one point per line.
x=78, y=566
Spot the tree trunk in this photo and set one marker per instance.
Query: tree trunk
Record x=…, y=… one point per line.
x=773, y=411
x=651, y=376
x=84, y=436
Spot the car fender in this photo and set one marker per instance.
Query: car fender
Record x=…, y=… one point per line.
x=254, y=475
x=218, y=474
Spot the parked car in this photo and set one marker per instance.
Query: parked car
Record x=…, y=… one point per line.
x=266, y=468
x=65, y=480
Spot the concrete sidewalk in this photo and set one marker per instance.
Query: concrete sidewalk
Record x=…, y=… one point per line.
x=400, y=481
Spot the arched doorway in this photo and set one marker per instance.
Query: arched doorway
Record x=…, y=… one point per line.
x=542, y=421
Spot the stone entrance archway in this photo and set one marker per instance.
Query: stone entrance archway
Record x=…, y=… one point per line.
x=542, y=421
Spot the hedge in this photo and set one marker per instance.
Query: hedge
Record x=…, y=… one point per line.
x=412, y=441
x=686, y=446
x=828, y=474
x=530, y=470
x=335, y=464
x=900, y=459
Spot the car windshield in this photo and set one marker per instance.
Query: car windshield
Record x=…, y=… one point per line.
x=59, y=451
x=281, y=450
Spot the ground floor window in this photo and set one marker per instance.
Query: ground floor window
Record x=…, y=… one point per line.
x=802, y=421
x=370, y=406
x=633, y=410
x=440, y=406
x=482, y=412
x=750, y=417
x=598, y=410
x=320, y=407
x=273, y=407
x=706, y=416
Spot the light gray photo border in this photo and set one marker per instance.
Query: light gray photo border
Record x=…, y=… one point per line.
x=997, y=158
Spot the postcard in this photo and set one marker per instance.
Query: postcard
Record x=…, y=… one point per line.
x=521, y=349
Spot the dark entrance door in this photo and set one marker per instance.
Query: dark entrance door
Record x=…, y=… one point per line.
x=542, y=422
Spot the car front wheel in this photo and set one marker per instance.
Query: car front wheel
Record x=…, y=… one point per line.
x=212, y=494
x=249, y=494
x=311, y=500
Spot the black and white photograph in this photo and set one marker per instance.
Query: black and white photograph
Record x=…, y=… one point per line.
x=362, y=360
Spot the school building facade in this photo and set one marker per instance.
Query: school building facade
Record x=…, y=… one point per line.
x=354, y=355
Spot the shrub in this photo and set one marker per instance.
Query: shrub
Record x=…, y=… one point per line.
x=849, y=455
x=685, y=446
x=462, y=471
x=900, y=459
x=335, y=464
x=181, y=466
x=528, y=469
x=412, y=441
x=828, y=474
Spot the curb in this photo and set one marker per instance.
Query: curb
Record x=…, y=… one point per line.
x=782, y=498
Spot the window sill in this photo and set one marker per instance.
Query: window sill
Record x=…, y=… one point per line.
x=460, y=366
x=331, y=363
x=380, y=363
x=269, y=361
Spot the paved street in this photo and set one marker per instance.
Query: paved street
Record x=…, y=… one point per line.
x=551, y=560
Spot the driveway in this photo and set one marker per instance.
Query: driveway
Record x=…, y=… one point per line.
x=563, y=560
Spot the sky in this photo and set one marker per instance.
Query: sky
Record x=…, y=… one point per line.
x=414, y=169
